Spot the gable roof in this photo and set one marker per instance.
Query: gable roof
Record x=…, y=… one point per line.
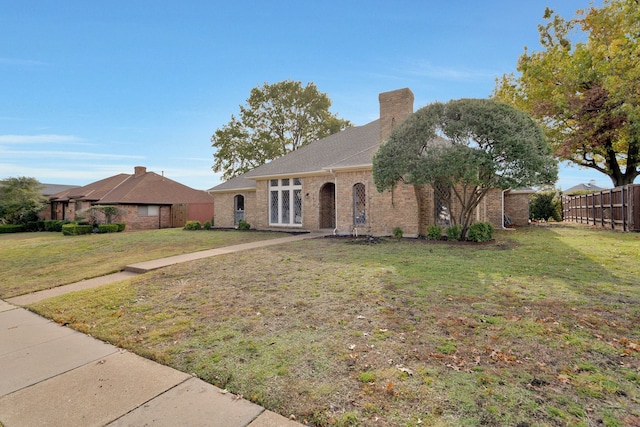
x=352, y=147
x=140, y=188
x=590, y=186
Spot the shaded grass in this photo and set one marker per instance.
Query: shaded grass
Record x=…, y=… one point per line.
x=34, y=261
x=537, y=328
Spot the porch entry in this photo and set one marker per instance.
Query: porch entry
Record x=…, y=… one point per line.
x=328, y=205
x=238, y=209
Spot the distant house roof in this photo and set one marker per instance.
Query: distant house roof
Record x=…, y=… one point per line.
x=590, y=186
x=51, y=189
x=142, y=187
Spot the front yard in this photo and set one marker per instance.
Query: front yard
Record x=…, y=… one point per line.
x=540, y=327
x=32, y=262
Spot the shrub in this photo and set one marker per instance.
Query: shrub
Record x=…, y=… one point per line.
x=107, y=228
x=54, y=224
x=434, y=232
x=11, y=228
x=31, y=226
x=480, y=232
x=121, y=226
x=545, y=205
x=397, y=233
x=243, y=225
x=193, y=225
x=454, y=233
x=207, y=225
x=74, y=229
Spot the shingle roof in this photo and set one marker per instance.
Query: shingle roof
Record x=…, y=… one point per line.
x=352, y=147
x=591, y=186
x=145, y=188
x=49, y=189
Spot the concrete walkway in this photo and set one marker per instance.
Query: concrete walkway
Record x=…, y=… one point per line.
x=51, y=375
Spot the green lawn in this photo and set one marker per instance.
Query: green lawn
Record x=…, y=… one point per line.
x=34, y=261
x=540, y=327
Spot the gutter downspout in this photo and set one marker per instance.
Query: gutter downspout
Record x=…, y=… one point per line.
x=503, y=227
x=335, y=199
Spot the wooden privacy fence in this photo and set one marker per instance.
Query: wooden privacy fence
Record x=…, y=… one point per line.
x=617, y=208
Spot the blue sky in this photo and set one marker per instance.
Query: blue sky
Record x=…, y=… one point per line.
x=91, y=89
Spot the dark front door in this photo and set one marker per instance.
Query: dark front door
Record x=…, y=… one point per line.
x=328, y=206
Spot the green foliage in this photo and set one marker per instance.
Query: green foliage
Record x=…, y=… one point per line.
x=121, y=226
x=108, y=228
x=454, y=233
x=207, y=225
x=480, y=232
x=545, y=205
x=110, y=213
x=74, y=229
x=193, y=225
x=243, y=225
x=586, y=94
x=54, y=224
x=488, y=145
x=277, y=118
x=434, y=232
x=367, y=377
x=397, y=233
x=20, y=200
x=11, y=228
x=34, y=226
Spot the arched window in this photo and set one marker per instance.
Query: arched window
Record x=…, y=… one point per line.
x=238, y=202
x=359, y=204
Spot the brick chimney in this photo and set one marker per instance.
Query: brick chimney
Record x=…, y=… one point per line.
x=139, y=170
x=395, y=107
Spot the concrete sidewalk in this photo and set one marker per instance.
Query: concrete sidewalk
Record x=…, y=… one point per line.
x=51, y=375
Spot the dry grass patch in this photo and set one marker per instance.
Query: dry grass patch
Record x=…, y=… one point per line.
x=31, y=262
x=533, y=329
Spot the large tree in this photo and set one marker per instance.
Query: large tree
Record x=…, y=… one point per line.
x=20, y=199
x=463, y=149
x=277, y=118
x=586, y=94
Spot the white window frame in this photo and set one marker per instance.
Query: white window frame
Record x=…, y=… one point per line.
x=148, y=210
x=280, y=186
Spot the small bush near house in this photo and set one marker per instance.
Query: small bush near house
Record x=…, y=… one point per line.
x=480, y=232
x=193, y=225
x=434, y=232
x=397, y=233
x=54, y=224
x=11, y=228
x=454, y=233
x=34, y=226
x=107, y=228
x=207, y=225
x=243, y=225
x=73, y=229
x=545, y=205
x=121, y=226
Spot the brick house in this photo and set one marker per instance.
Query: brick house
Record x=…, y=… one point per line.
x=328, y=184
x=145, y=200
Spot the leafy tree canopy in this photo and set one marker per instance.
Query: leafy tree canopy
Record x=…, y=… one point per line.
x=586, y=94
x=20, y=200
x=463, y=149
x=277, y=118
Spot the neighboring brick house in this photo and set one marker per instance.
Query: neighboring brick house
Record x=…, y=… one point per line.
x=328, y=184
x=146, y=201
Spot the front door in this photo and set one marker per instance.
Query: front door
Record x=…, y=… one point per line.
x=328, y=205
